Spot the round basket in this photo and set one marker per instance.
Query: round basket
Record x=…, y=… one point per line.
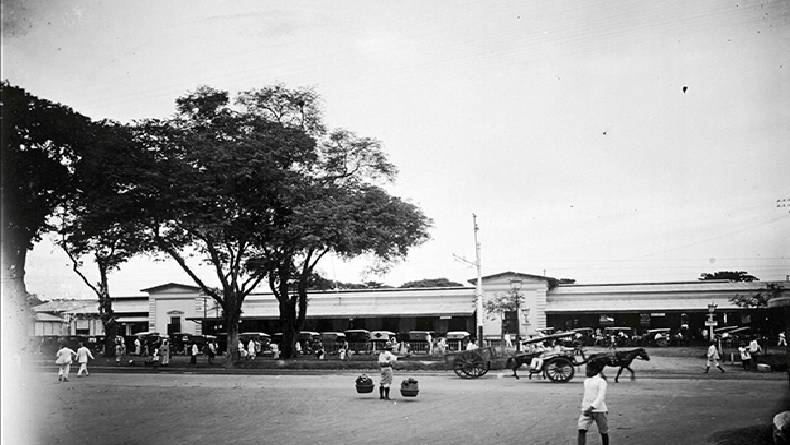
x=409, y=388
x=363, y=388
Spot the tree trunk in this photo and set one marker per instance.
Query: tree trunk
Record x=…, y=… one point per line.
x=231, y=320
x=17, y=317
x=288, y=326
x=106, y=313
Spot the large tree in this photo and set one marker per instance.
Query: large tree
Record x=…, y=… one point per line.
x=431, y=282
x=102, y=220
x=217, y=180
x=40, y=141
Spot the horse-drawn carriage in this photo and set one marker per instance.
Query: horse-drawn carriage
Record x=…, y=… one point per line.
x=472, y=363
x=556, y=364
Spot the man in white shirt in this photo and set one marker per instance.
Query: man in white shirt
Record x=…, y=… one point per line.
x=594, y=407
x=713, y=358
x=83, y=354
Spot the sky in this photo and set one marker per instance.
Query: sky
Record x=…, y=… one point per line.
x=604, y=141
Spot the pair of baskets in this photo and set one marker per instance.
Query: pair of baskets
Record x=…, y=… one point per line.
x=408, y=388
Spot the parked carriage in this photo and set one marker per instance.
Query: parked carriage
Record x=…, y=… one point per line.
x=379, y=339
x=332, y=341
x=457, y=340
x=308, y=340
x=419, y=342
x=358, y=341
x=653, y=337
x=470, y=364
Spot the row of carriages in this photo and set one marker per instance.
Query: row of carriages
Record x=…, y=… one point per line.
x=359, y=341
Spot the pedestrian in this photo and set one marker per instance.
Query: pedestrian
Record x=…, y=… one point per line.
x=209, y=353
x=746, y=358
x=754, y=349
x=386, y=360
x=251, y=349
x=164, y=352
x=118, y=352
x=195, y=351
x=594, y=407
x=242, y=351
x=137, y=346
x=83, y=354
x=782, y=340
x=155, y=357
x=713, y=358
x=64, y=357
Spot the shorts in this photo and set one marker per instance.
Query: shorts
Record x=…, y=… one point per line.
x=386, y=376
x=599, y=417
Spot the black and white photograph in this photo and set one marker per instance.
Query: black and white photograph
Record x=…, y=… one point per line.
x=352, y=222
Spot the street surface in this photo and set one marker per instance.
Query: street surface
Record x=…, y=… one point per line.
x=175, y=408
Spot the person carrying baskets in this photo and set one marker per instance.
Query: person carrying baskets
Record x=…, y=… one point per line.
x=386, y=360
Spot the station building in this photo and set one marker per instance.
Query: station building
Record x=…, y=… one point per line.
x=171, y=307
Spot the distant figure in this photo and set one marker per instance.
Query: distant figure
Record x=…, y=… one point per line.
x=782, y=340
x=713, y=358
x=275, y=350
x=251, y=349
x=64, y=357
x=746, y=358
x=242, y=351
x=508, y=341
x=195, y=352
x=754, y=348
x=164, y=352
x=83, y=354
x=118, y=353
x=137, y=346
x=471, y=346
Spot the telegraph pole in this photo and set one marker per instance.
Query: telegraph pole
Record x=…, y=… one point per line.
x=479, y=287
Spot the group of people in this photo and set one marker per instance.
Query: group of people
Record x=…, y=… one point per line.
x=65, y=356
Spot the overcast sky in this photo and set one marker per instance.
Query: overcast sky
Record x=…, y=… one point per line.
x=563, y=125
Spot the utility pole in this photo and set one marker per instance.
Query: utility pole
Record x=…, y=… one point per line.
x=479, y=287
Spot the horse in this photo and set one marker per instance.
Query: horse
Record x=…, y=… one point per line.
x=621, y=359
x=518, y=360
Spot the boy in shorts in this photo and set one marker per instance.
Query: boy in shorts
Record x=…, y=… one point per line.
x=594, y=405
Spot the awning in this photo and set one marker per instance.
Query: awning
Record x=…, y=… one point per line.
x=132, y=319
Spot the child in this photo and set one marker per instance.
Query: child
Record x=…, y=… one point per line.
x=64, y=357
x=594, y=405
x=83, y=354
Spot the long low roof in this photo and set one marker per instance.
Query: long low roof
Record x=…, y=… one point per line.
x=367, y=304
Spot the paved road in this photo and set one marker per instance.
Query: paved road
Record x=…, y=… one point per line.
x=117, y=408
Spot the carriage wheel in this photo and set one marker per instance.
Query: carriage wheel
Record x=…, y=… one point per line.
x=469, y=366
x=559, y=370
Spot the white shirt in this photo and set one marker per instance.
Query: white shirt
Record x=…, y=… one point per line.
x=387, y=357
x=713, y=352
x=195, y=349
x=595, y=394
x=754, y=346
x=83, y=353
x=65, y=355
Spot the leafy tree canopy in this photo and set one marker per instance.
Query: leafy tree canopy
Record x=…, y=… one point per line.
x=732, y=276
x=759, y=299
x=431, y=282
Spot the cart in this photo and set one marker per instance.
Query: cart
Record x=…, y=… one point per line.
x=558, y=367
x=380, y=339
x=470, y=364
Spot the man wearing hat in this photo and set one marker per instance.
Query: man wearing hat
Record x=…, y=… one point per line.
x=386, y=360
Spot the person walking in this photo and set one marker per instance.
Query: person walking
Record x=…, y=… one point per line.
x=713, y=358
x=164, y=352
x=594, y=407
x=83, y=354
x=251, y=349
x=782, y=340
x=386, y=360
x=746, y=358
x=118, y=352
x=195, y=352
x=137, y=346
x=63, y=359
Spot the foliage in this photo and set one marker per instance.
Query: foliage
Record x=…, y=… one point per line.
x=102, y=219
x=760, y=299
x=262, y=191
x=739, y=277
x=502, y=303
x=431, y=282
x=40, y=141
x=554, y=282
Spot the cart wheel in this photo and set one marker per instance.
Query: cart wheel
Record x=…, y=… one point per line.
x=559, y=370
x=469, y=366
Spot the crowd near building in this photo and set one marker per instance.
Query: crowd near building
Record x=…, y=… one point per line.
x=686, y=307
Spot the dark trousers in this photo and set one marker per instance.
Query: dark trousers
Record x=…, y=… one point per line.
x=193, y=359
